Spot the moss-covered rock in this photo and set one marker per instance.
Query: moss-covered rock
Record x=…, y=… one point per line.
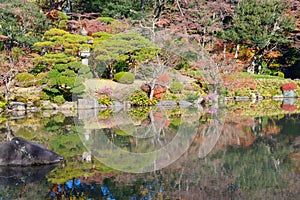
x=124, y=77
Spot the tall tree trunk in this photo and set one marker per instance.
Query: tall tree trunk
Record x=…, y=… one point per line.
x=237, y=51
x=256, y=62
x=152, y=87
x=10, y=135
x=7, y=83
x=259, y=64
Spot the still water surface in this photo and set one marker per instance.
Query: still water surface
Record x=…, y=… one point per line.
x=157, y=153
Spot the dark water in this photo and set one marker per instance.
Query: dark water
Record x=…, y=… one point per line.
x=159, y=154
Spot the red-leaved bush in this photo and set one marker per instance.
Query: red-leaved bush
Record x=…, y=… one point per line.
x=289, y=107
x=289, y=86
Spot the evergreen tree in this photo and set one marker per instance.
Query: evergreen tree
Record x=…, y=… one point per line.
x=22, y=23
x=260, y=23
x=121, y=49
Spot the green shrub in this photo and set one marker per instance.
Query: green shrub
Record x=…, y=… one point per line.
x=25, y=79
x=192, y=96
x=183, y=64
x=63, y=24
x=85, y=72
x=59, y=99
x=107, y=20
x=176, y=87
x=41, y=78
x=170, y=96
x=21, y=98
x=242, y=92
x=124, y=77
x=279, y=74
x=60, y=67
x=105, y=100
x=105, y=114
x=140, y=98
x=39, y=68
x=2, y=105
x=102, y=34
x=55, y=32
x=138, y=114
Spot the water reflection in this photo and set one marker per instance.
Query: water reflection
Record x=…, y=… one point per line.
x=235, y=154
x=150, y=140
x=16, y=176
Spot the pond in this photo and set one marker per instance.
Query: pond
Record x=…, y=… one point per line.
x=238, y=151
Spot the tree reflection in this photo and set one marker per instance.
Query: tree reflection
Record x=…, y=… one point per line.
x=250, y=158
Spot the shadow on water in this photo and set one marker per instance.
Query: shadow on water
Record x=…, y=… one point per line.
x=235, y=154
x=17, y=176
x=24, y=182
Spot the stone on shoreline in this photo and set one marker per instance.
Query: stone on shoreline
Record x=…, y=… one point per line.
x=167, y=104
x=241, y=98
x=184, y=104
x=17, y=106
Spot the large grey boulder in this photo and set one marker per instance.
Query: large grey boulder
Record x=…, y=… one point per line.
x=22, y=152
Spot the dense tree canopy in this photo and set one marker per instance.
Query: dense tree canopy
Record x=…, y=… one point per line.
x=120, y=48
x=53, y=33
x=262, y=24
x=21, y=23
x=118, y=8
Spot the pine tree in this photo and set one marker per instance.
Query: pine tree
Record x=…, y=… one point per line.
x=260, y=23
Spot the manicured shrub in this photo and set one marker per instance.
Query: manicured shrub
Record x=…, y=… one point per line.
x=289, y=86
x=140, y=98
x=288, y=107
x=107, y=20
x=176, y=87
x=39, y=68
x=59, y=99
x=41, y=78
x=105, y=100
x=124, y=77
x=102, y=34
x=25, y=79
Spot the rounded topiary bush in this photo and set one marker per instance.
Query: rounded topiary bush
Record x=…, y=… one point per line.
x=176, y=87
x=124, y=77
